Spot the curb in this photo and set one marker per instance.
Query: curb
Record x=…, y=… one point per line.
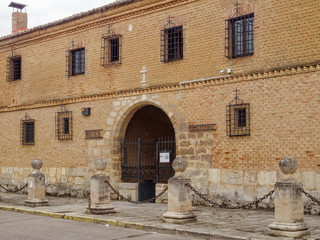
x=125, y=224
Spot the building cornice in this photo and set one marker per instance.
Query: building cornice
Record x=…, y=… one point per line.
x=88, y=20
x=193, y=84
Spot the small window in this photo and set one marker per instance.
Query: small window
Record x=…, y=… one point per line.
x=171, y=42
x=14, y=68
x=242, y=117
x=63, y=124
x=27, y=131
x=76, y=62
x=111, y=49
x=238, y=118
x=114, y=49
x=174, y=43
x=240, y=36
x=66, y=125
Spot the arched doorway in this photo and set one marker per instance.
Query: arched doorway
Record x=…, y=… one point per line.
x=147, y=150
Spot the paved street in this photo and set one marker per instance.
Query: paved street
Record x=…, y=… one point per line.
x=212, y=223
x=15, y=226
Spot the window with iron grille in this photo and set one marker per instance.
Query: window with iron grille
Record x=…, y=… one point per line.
x=171, y=42
x=111, y=49
x=76, y=62
x=240, y=36
x=27, y=131
x=14, y=68
x=238, y=118
x=64, y=125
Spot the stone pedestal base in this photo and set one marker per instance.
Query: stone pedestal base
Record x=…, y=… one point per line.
x=179, y=218
x=36, y=202
x=101, y=209
x=292, y=230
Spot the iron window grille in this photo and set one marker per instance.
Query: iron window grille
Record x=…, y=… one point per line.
x=27, y=131
x=14, y=68
x=171, y=42
x=238, y=118
x=111, y=48
x=94, y=134
x=239, y=36
x=64, y=130
x=76, y=62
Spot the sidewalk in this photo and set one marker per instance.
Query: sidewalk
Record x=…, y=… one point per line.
x=213, y=223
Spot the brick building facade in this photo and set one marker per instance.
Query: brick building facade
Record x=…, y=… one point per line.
x=236, y=87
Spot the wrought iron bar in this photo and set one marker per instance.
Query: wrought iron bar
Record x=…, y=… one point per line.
x=157, y=162
x=139, y=165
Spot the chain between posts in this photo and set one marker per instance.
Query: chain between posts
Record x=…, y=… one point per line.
x=308, y=195
x=225, y=206
x=135, y=202
x=13, y=191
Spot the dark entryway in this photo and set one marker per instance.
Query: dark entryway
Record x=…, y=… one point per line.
x=147, y=151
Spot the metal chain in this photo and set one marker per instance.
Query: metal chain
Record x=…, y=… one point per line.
x=309, y=196
x=13, y=191
x=202, y=196
x=131, y=201
x=225, y=206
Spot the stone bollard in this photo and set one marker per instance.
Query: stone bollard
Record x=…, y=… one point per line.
x=36, y=186
x=100, y=191
x=179, y=196
x=288, y=204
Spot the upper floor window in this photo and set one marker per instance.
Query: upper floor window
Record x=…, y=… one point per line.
x=240, y=36
x=171, y=42
x=78, y=61
x=111, y=48
x=14, y=68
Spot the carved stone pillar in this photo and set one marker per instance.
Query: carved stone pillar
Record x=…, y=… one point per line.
x=179, y=196
x=100, y=191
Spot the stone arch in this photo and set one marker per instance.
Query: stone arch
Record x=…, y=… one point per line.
x=121, y=121
x=124, y=117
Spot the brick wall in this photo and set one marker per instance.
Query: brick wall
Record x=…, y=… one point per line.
x=279, y=81
x=284, y=37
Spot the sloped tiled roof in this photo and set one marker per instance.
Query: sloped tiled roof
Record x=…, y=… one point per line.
x=71, y=18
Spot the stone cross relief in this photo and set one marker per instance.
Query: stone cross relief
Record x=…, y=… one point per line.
x=144, y=72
